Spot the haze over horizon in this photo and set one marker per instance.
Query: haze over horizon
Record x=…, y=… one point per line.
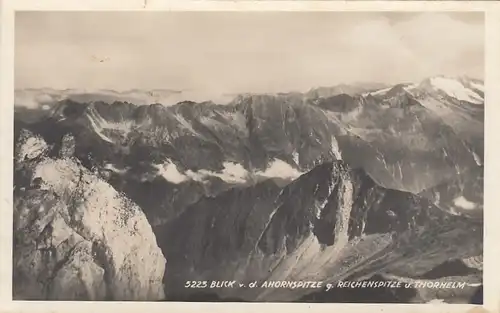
x=215, y=53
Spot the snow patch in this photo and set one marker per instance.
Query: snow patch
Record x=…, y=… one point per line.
x=477, y=159
x=98, y=129
x=225, y=119
x=100, y=124
x=103, y=123
x=295, y=156
x=474, y=262
x=207, y=121
x=477, y=86
x=455, y=89
x=380, y=92
x=320, y=205
x=335, y=148
x=184, y=124
x=436, y=301
x=410, y=88
x=463, y=203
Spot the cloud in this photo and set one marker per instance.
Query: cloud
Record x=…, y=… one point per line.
x=233, y=173
x=279, y=169
x=169, y=171
x=31, y=100
x=426, y=45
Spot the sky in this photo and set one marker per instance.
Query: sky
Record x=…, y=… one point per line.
x=235, y=52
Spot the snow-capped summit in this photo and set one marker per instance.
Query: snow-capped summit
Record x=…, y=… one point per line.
x=462, y=89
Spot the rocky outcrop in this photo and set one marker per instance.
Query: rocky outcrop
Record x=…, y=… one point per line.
x=462, y=196
x=28, y=147
x=68, y=144
x=75, y=237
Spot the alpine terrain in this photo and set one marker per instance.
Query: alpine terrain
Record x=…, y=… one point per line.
x=129, y=195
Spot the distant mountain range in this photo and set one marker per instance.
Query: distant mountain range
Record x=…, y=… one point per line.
x=38, y=97
x=341, y=182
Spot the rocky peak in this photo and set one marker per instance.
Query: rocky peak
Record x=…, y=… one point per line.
x=331, y=223
x=75, y=237
x=68, y=144
x=29, y=146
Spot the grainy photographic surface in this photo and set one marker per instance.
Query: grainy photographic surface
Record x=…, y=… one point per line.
x=249, y=156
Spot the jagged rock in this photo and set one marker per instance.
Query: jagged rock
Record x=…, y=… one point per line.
x=29, y=146
x=76, y=238
x=68, y=144
x=461, y=196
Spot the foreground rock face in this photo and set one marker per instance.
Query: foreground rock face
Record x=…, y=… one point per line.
x=75, y=237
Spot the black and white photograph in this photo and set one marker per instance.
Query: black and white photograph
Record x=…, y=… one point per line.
x=249, y=156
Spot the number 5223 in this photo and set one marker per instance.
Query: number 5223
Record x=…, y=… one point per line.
x=196, y=284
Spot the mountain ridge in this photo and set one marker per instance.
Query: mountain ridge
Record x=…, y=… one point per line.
x=301, y=236
x=271, y=187
x=264, y=133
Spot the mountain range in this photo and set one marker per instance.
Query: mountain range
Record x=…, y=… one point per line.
x=344, y=182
